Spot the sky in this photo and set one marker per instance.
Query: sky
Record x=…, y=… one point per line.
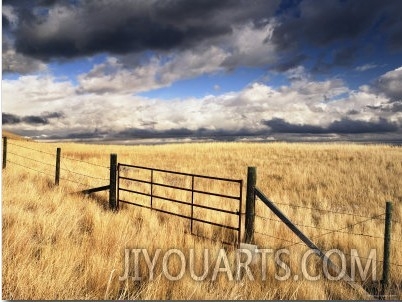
x=121, y=70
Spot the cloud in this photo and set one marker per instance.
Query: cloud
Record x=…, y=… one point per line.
x=391, y=84
x=114, y=76
x=43, y=119
x=326, y=25
x=259, y=33
x=177, y=133
x=119, y=27
x=250, y=46
x=329, y=21
x=35, y=93
x=9, y=17
x=305, y=105
x=203, y=37
x=356, y=126
x=10, y=119
x=246, y=46
x=343, y=126
x=366, y=67
x=14, y=62
x=31, y=119
x=279, y=125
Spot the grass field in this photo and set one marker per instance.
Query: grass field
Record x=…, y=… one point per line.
x=59, y=245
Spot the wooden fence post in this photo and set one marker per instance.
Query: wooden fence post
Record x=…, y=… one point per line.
x=4, y=152
x=387, y=248
x=113, y=182
x=57, y=177
x=250, y=204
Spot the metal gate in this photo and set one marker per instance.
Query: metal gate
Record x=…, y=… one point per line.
x=200, y=199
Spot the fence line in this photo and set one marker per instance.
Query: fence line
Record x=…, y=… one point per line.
x=320, y=228
x=48, y=173
x=30, y=148
x=31, y=159
x=282, y=239
x=86, y=162
x=337, y=230
x=52, y=154
x=42, y=172
x=28, y=168
x=73, y=181
x=301, y=242
x=379, y=261
x=323, y=210
x=387, y=264
x=81, y=174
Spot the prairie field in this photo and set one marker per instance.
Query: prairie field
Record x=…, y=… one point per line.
x=57, y=244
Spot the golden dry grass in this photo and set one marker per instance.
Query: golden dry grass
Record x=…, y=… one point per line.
x=58, y=245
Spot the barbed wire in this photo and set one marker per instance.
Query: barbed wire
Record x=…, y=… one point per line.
x=282, y=239
x=296, y=243
x=31, y=159
x=81, y=174
x=333, y=231
x=65, y=157
x=53, y=165
x=322, y=210
x=31, y=149
x=84, y=175
x=73, y=181
x=42, y=172
x=86, y=162
x=320, y=228
x=29, y=168
x=379, y=261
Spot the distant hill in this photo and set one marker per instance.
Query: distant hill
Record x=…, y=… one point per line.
x=11, y=135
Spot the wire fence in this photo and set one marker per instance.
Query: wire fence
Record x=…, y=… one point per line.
x=323, y=210
x=324, y=229
x=85, y=162
x=19, y=158
x=328, y=230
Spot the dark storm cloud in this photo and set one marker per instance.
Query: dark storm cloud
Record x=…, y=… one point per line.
x=5, y=22
x=120, y=27
x=393, y=107
x=10, y=119
x=348, y=126
x=49, y=29
x=396, y=107
x=179, y=133
x=51, y=115
x=326, y=21
x=343, y=126
x=32, y=119
x=323, y=23
x=279, y=125
x=83, y=135
x=353, y=112
x=43, y=119
x=184, y=132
